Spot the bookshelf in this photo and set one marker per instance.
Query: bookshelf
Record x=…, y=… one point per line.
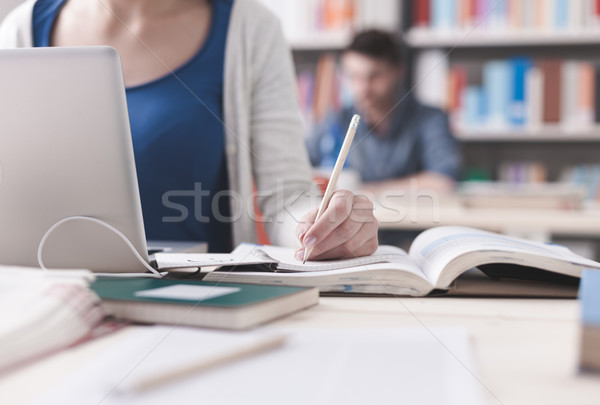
x=485, y=50
x=440, y=35
x=328, y=25
x=317, y=31
x=426, y=38
x=546, y=134
x=321, y=41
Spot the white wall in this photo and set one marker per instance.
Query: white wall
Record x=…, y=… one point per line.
x=6, y=6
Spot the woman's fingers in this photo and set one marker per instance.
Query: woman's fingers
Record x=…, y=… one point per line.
x=362, y=244
x=346, y=229
x=338, y=210
x=343, y=233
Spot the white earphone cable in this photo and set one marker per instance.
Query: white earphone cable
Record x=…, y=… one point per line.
x=108, y=226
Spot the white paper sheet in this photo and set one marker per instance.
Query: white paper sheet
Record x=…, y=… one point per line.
x=318, y=366
x=187, y=292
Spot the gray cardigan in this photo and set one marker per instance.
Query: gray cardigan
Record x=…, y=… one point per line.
x=263, y=129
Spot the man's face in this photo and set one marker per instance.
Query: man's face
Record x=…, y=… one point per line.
x=372, y=82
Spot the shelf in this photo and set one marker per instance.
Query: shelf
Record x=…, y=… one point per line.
x=320, y=41
x=524, y=135
x=426, y=38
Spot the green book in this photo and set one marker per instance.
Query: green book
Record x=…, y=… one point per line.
x=196, y=303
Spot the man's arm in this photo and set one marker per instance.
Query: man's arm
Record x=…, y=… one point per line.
x=440, y=158
x=426, y=180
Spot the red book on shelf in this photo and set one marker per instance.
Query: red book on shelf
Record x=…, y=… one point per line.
x=515, y=14
x=421, y=13
x=457, y=82
x=586, y=93
x=541, y=14
x=324, y=85
x=551, y=71
x=338, y=14
x=468, y=13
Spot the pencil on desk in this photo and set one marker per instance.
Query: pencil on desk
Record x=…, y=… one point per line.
x=176, y=373
x=337, y=169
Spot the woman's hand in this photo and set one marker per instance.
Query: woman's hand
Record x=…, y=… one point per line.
x=346, y=229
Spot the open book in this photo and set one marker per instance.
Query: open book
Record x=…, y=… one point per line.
x=436, y=258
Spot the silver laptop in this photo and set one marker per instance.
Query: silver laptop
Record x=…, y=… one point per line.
x=66, y=150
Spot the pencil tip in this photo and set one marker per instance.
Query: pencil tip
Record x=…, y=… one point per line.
x=303, y=261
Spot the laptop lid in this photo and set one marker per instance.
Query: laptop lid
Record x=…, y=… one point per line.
x=66, y=150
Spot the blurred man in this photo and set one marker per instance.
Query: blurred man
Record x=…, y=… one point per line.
x=398, y=139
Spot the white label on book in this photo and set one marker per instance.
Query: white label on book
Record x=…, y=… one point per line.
x=187, y=292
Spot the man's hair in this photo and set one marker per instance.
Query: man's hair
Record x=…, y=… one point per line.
x=377, y=44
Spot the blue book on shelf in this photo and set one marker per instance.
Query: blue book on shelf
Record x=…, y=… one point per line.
x=517, y=108
x=579, y=175
x=594, y=182
x=473, y=106
x=496, y=87
x=498, y=13
x=443, y=14
x=561, y=14
x=589, y=294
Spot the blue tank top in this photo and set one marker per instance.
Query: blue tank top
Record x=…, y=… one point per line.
x=178, y=138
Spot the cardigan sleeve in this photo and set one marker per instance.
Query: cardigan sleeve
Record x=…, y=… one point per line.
x=15, y=29
x=280, y=162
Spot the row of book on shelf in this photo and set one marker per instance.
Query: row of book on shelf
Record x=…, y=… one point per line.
x=524, y=93
x=584, y=177
x=516, y=93
x=506, y=15
x=309, y=18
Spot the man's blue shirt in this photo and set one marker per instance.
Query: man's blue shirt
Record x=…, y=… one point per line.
x=419, y=139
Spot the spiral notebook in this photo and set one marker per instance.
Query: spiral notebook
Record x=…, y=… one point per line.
x=44, y=312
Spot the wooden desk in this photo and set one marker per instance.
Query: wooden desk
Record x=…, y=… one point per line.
x=526, y=350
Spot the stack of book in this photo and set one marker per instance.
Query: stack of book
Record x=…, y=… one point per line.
x=522, y=173
x=43, y=312
x=524, y=93
x=586, y=177
x=521, y=196
x=517, y=15
x=583, y=180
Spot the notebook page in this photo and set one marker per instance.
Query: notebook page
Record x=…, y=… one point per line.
x=286, y=259
x=316, y=366
x=185, y=260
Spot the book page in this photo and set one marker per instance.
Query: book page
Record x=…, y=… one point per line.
x=436, y=248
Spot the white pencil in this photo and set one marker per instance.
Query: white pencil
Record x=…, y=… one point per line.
x=337, y=169
x=176, y=373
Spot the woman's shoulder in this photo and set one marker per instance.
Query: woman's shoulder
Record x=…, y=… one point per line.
x=15, y=29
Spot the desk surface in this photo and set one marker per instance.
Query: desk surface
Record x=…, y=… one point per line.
x=526, y=350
